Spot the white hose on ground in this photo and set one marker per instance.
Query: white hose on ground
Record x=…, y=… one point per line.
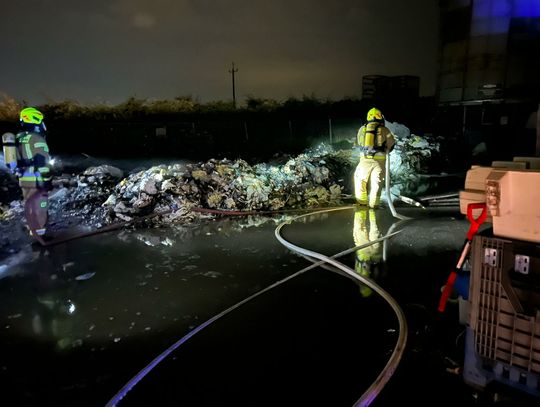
x=147, y=369
x=390, y=230
x=371, y=393
x=388, y=193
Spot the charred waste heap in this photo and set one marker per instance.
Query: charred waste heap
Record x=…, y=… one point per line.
x=321, y=176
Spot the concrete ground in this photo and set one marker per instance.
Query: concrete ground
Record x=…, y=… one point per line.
x=92, y=313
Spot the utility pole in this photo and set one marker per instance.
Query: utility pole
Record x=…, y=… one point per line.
x=232, y=72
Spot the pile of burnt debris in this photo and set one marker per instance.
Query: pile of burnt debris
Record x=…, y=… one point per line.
x=321, y=176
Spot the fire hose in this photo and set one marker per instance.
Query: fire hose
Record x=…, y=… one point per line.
x=32, y=225
x=371, y=393
x=383, y=377
x=388, y=191
x=31, y=203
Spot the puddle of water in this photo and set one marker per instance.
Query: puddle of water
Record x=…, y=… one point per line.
x=91, y=313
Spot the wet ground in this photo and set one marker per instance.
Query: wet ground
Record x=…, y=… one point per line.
x=78, y=320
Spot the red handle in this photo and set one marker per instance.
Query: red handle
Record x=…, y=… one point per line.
x=475, y=222
x=447, y=291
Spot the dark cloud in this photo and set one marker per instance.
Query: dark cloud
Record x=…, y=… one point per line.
x=110, y=50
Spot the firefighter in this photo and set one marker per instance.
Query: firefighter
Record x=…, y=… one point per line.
x=27, y=156
x=375, y=142
x=367, y=260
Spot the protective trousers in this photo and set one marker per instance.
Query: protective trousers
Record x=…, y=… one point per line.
x=366, y=230
x=36, y=207
x=369, y=180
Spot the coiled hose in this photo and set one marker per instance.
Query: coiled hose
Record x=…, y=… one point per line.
x=391, y=365
x=371, y=393
x=373, y=390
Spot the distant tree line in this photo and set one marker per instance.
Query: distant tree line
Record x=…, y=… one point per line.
x=260, y=127
x=141, y=108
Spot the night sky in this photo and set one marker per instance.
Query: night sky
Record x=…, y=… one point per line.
x=106, y=51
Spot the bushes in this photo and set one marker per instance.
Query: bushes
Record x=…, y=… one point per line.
x=142, y=108
x=9, y=108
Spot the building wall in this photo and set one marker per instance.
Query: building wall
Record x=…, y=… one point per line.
x=489, y=49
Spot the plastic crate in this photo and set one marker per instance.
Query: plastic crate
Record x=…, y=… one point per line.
x=504, y=313
x=479, y=372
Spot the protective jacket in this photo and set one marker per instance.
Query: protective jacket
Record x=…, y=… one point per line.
x=375, y=141
x=32, y=166
x=33, y=160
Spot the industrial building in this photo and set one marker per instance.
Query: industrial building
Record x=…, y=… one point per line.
x=489, y=50
x=488, y=83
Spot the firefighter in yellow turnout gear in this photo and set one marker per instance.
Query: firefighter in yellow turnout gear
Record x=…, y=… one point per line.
x=27, y=156
x=375, y=142
x=368, y=260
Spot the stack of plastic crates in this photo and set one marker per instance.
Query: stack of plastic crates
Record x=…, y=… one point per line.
x=503, y=333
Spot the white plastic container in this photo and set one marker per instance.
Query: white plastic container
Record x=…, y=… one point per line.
x=468, y=196
x=513, y=200
x=476, y=177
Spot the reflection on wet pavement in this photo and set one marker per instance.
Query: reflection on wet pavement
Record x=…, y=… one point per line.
x=90, y=313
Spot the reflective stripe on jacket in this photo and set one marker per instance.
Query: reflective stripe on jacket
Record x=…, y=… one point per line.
x=33, y=159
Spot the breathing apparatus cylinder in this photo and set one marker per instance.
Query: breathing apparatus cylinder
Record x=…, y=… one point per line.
x=369, y=140
x=10, y=150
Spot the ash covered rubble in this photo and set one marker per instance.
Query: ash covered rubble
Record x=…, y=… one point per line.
x=321, y=176
x=306, y=181
x=102, y=195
